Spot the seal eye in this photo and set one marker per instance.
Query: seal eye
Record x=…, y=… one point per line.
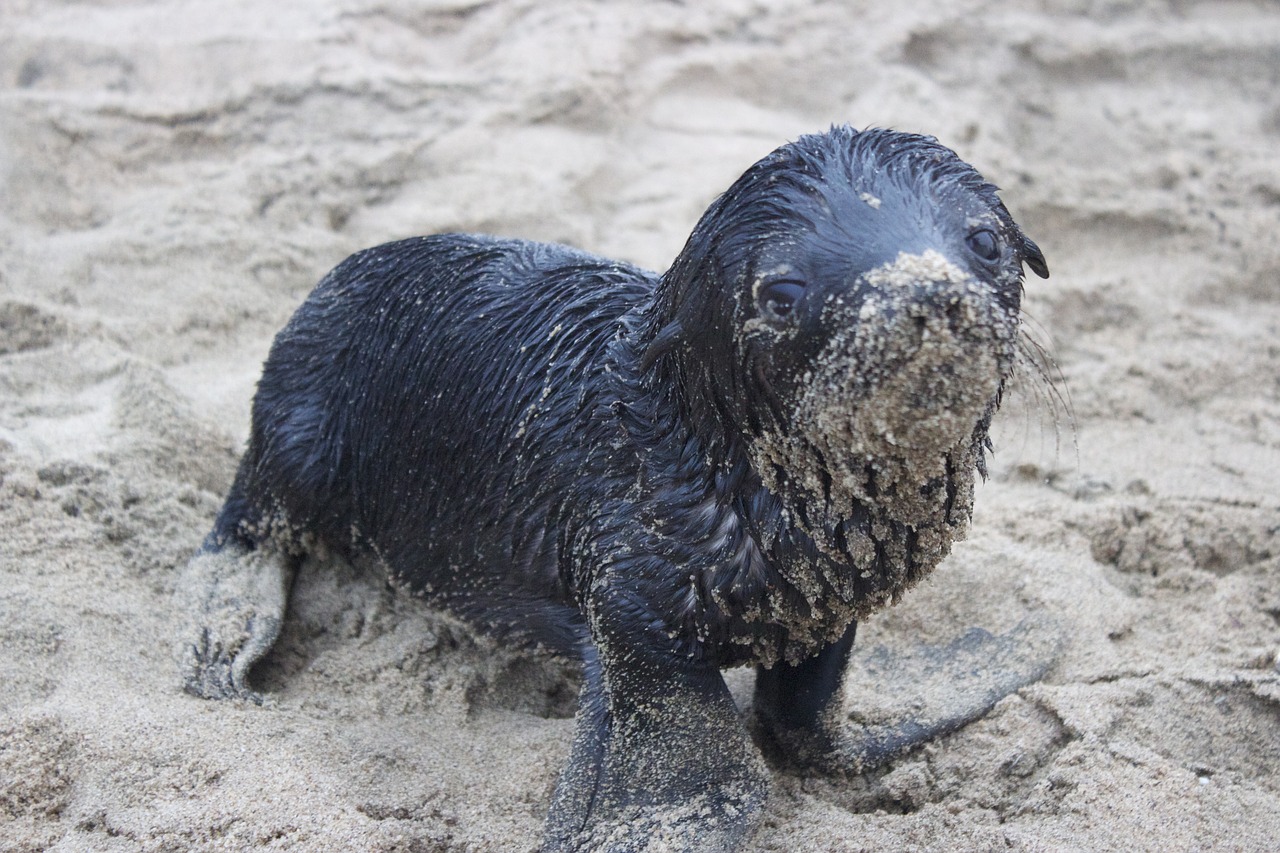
x=984, y=244
x=778, y=298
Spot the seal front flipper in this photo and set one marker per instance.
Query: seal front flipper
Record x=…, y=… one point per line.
x=236, y=598
x=661, y=759
x=804, y=723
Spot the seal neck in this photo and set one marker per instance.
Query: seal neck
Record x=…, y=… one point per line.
x=754, y=552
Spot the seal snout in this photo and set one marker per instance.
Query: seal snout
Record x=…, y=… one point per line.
x=924, y=287
x=918, y=360
x=925, y=300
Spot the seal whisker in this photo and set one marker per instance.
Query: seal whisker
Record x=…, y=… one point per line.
x=1038, y=382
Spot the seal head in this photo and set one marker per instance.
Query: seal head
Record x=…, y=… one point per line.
x=845, y=316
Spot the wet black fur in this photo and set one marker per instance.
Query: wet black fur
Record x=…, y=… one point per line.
x=550, y=444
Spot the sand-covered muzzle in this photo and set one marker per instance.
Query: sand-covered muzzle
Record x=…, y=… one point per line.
x=913, y=365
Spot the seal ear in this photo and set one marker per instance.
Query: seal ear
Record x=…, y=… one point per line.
x=1033, y=257
x=667, y=339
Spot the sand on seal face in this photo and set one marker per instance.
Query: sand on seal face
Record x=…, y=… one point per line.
x=176, y=177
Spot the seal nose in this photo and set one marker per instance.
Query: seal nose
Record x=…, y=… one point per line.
x=937, y=301
x=927, y=291
x=957, y=316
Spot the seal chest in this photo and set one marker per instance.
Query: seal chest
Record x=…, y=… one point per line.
x=661, y=476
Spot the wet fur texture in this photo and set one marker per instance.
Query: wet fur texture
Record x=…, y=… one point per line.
x=578, y=454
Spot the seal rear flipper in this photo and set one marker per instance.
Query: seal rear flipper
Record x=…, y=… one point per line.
x=234, y=604
x=661, y=760
x=946, y=686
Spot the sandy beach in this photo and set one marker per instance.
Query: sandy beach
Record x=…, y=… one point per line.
x=176, y=176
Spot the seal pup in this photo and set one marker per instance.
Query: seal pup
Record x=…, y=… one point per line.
x=662, y=476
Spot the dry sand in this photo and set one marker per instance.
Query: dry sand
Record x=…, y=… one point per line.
x=177, y=175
